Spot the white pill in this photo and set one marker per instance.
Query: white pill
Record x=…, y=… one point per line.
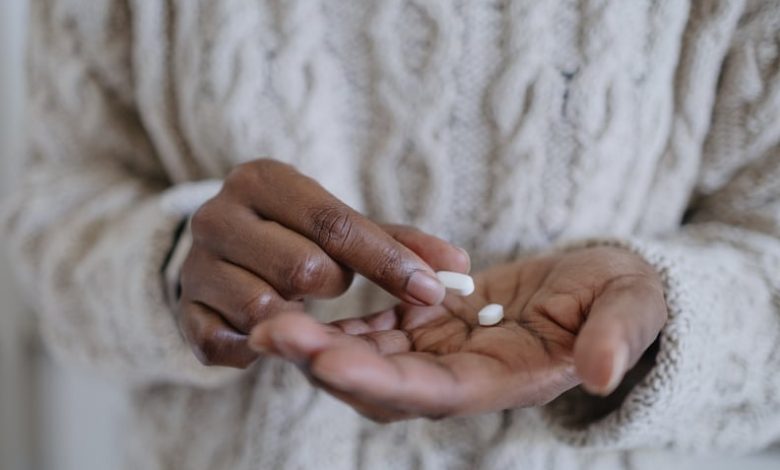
x=491, y=314
x=462, y=284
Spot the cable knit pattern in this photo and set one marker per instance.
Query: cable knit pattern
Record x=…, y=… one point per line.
x=505, y=126
x=414, y=93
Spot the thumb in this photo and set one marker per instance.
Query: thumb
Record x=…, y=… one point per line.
x=439, y=254
x=623, y=322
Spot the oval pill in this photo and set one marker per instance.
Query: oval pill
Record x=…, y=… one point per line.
x=462, y=284
x=491, y=314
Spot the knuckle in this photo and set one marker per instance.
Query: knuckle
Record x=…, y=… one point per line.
x=242, y=177
x=332, y=227
x=307, y=275
x=206, y=221
x=236, y=180
x=245, y=180
x=241, y=174
x=257, y=169
x=257, y=309
x=246, y=174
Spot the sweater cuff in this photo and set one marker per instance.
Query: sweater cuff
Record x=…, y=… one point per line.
x=173, y=264
x=661, y=387
x=139, y=341
x=181, y=202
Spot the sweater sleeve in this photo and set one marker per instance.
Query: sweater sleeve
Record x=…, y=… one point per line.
x=712, y=380
x=94, y=217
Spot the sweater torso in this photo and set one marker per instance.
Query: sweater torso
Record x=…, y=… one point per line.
x=503, y=126
x=500, y=126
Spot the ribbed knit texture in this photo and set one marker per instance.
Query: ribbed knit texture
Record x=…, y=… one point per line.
x=504, y=126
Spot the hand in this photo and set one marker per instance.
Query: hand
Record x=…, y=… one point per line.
x=583, y=316
x=273, y=237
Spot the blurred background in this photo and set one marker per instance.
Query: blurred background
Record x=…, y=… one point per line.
x=56, y=417
x=51, y=417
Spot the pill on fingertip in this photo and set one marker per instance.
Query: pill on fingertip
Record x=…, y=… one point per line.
x=491, y=314
x=462, y=284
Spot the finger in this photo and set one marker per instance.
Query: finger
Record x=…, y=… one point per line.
x=213, y=341
x=288, y=261
x=298, y=338
x=242, y=298
x=439, y=254
x=294, y=336
x=375, y=331
x=380, y=321
x=299, y=203
x=623, y=322
x=418, y=383
x=436, y=386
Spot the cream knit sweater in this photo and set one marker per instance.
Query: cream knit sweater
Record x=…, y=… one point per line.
x=504, y=126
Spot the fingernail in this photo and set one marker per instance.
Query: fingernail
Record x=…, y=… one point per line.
x=619, y=364
x=425, y=288
x=467, y=256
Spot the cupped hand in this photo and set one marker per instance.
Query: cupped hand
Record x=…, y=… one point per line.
x=576, y=317
x=274, y=237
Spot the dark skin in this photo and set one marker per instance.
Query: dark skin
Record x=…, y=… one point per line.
x=274, y=237
x=577, y=317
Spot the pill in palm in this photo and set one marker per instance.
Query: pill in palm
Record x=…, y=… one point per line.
x=463, y=284
x=491, y=314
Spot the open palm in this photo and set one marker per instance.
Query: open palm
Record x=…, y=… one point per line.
x=568, y=317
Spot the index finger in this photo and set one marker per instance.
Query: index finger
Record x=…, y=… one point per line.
x=282, y=194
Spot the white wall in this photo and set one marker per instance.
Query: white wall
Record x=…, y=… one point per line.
x=51, y=417
x=16, y=423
